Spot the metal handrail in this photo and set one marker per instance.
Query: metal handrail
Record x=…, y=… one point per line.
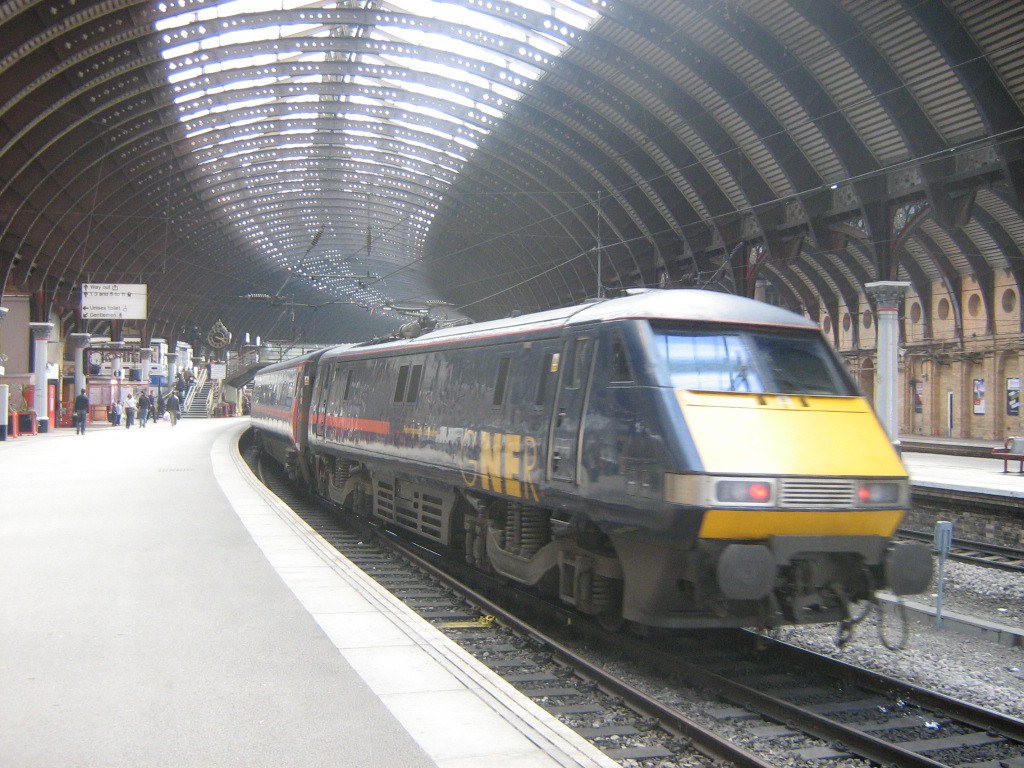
x=213, y=397
x=190, y=396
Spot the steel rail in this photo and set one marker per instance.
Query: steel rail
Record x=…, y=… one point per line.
x=703, y=739
x=962, y=552
x=977, y=717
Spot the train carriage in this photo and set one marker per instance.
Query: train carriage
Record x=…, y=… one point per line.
x=280, y=408
x=672, y=458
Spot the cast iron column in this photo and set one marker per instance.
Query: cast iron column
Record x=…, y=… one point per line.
x=172, y=364
x=41, y=336
x=145, y=355
x=115, y=365
x=888, y=296
x=79, y=341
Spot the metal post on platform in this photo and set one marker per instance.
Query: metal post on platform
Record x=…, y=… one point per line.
x=943, y=542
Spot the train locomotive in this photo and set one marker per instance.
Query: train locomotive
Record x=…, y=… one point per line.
x=676, y=459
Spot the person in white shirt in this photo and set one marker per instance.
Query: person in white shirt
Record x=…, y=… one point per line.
x=129, y=410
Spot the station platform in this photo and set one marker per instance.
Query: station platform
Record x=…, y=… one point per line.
x=161, y=608
x=977, y=472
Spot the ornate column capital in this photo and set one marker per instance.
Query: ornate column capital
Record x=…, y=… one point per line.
x=79, y=340
x=41, y=331
x=888, y=293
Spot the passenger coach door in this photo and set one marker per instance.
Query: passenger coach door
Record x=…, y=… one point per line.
x=569, y=406
x=322, y=393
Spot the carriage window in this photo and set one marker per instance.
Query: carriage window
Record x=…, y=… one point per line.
x=403, y=377
x=348, y=384
x=620, y=371
x=408, y=387
x=579, y=360
x=287, y=391
x=500, y=384
x=414, y=383
x=327, y=384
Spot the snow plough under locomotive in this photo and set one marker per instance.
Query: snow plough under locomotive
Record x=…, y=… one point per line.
x=671, y=458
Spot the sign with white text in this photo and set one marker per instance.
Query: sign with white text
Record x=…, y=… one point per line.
x=114, y=301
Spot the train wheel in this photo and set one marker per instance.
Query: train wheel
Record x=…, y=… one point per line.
x=606, y=602
x=611, y=620
x=323, y=477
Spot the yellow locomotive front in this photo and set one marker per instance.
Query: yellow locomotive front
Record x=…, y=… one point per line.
x=800, y=489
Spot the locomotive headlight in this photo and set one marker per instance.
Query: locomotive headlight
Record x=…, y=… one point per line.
x=712, y=491
x=880, y=493
x=744, y=491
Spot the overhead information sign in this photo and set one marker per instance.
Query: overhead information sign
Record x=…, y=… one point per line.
x=114, y=301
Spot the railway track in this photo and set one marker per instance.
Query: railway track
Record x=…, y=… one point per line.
x=729, y=697
x=774, y=692
x=624, y=724
x=986, y=555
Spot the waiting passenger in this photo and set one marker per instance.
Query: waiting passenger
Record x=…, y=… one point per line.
x=81, y=412
x=130, y=406
x=173, y=408
x=145, y=403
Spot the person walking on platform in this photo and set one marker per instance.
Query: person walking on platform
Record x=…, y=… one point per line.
x=81, y=412
x=129, y=410
x=145, y=403
x=173, y=408
x=161, y=408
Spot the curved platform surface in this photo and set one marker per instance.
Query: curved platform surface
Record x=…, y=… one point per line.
x=161, y=608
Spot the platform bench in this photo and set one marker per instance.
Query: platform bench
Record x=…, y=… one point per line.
x=1012, y=450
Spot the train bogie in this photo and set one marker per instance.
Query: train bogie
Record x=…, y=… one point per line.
x=675, y=458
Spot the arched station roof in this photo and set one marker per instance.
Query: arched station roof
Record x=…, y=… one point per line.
x=312, y=170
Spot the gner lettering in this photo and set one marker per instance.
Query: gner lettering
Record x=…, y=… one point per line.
x=500, y=462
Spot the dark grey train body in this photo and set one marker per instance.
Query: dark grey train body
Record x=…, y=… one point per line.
x=593, y=451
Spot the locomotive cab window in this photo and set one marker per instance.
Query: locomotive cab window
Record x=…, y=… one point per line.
x=740, y=361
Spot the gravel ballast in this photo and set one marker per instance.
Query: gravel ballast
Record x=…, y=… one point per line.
x=958, y=665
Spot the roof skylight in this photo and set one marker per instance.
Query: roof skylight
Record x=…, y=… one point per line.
x=391, y=90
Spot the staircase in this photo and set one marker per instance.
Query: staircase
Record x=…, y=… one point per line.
x=197, y=401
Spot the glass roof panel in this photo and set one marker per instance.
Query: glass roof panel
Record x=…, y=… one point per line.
x=394, y=95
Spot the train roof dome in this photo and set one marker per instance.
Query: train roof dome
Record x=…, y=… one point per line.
x=688, y=304
x=651, y=304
